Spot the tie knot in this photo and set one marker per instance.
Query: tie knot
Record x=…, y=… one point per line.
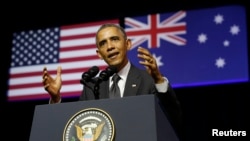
x=116, y=78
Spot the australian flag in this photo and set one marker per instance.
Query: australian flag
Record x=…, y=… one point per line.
x=196, y=47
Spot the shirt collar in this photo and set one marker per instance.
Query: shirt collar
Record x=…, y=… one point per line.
x=124, y=71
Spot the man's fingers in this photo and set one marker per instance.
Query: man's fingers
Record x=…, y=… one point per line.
x=145, y=54
x=143, y=51
x=44, y=79
x=44, y=68
x=46, y=86
x=59, y=70
x=151, y=60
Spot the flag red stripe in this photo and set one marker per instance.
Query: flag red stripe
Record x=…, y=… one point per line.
x=159, y=30
x=78, y=36
x=78, y=47
x=153, y=31
x=30, y=85
x=93, y=57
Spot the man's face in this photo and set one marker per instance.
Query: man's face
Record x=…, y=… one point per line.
x=112, y=47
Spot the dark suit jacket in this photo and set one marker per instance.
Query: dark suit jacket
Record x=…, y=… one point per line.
x=139, y=82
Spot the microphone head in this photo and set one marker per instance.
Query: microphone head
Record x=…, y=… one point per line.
x=93, y=71
x=111, y=70
x=105, y=74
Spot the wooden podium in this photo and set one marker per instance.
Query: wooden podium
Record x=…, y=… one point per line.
x=135, y=118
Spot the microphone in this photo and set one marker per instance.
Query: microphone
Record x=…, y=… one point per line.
x=105, y=74
x=87, y=76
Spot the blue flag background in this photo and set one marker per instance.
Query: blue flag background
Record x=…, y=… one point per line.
x=196, y=47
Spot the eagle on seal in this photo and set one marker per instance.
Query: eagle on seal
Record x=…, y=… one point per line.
x=88, y=133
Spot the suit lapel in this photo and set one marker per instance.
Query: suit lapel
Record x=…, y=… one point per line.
x=132, y=83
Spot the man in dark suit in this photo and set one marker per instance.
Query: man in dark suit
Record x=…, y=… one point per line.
x=112, y=46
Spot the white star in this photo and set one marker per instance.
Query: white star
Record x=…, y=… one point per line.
x=220, y=62
x=226, y=43
x=158, y=60
x=234, y=29
x=202, y=38
x=218, y=19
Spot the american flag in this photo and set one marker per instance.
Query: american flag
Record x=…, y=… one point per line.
x=195, y=47
x=71, y=46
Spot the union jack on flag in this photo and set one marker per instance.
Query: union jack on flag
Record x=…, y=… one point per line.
x=152, y=28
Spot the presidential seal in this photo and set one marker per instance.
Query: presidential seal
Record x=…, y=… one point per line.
x=91, y=124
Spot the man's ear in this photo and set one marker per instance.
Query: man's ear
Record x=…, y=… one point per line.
x=99, y=55
x=129, y=44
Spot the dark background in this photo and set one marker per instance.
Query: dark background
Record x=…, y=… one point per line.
x=205, y=108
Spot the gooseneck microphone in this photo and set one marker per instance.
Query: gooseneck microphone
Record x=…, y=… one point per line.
x=103, y=76
x=87, y=76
